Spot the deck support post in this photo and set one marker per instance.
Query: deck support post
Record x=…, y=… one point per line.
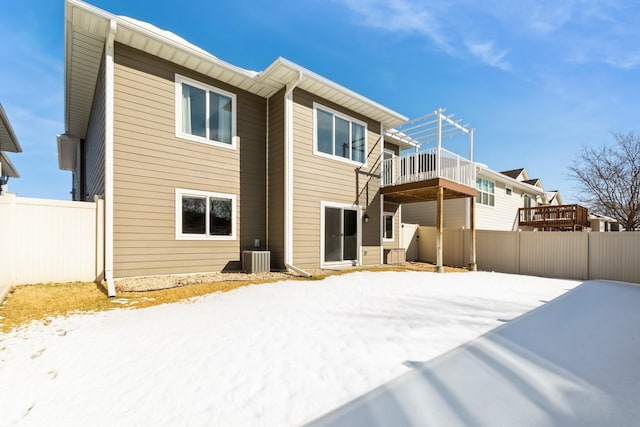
x=439, y=226
x=473, y=266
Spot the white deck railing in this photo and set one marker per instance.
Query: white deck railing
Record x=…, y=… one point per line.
x=427, y=165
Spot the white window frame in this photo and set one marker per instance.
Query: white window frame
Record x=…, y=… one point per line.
x=393, y=226
x=206, y=194
x=480, y=192
x=358, y=208
x=508, y=191
x=343, y=116
x=179, y=80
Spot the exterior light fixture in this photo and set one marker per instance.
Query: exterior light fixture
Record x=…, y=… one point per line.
x=366, y=218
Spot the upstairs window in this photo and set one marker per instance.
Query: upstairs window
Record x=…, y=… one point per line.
x=339, y=136
x=486, y=192
x=205, y=113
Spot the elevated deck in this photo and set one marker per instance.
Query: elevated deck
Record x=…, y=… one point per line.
x=430, y=173
x=415, y=177
x=554, y=218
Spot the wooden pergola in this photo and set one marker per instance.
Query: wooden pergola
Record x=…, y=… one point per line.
x=432, y=173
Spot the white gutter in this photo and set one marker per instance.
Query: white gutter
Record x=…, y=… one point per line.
x=108, y=159
x=288, y=176
x=282, y=62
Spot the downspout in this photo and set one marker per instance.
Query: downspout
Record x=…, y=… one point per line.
x=381, y=220
x=108, y=160
x=266, y=191
x=288, y=176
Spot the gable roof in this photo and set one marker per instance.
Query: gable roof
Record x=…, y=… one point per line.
x=8, y=139
x=553, y=195
x=484, y=171
x=513, y=173
x=87, y=28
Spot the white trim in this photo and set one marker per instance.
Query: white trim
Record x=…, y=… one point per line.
x=179, y=80
x=342, y=116
x=359, y=213
x=393, y=224
x=289, y=65
x=205, y=194
x=109, y=86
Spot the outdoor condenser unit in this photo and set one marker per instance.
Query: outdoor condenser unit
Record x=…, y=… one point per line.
x=256, y=261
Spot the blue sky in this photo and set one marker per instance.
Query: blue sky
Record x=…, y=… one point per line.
x=537, y=79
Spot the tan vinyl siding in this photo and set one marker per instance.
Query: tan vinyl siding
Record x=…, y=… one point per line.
x=276, y=179
x=94, y=143
x=319, y=179
x=425, y=213
x=150, y=162
x=392, y=147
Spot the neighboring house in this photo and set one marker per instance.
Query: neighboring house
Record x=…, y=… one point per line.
x=199, y=160
x=506, y=201
x=8, y=143
x=500, y=196
x=602, y=223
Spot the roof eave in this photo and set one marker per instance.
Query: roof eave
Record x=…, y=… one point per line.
x=513, y=182
x=7, y=167
x=132, y=34
x=14, y=145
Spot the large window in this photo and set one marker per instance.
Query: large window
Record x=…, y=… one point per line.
x=387, y=222
x=204, y=113
x=204, y=215
x=486, y=192
x=339, y=136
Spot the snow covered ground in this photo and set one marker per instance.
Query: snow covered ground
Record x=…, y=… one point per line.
x=275, y=354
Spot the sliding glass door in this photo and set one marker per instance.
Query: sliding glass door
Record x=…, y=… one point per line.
x=340, y=234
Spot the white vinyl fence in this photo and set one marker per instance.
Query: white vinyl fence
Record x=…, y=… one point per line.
x=49, y=241
x=578, y=255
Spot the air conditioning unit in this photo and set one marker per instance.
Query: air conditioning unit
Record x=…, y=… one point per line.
x=256, y=261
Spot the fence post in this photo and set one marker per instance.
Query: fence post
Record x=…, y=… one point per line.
x=518, y=250
x=588, y=255
x=9, y=241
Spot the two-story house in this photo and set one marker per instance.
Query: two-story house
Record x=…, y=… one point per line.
x=198, y=160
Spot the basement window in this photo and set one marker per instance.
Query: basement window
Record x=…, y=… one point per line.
x=202, y=215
